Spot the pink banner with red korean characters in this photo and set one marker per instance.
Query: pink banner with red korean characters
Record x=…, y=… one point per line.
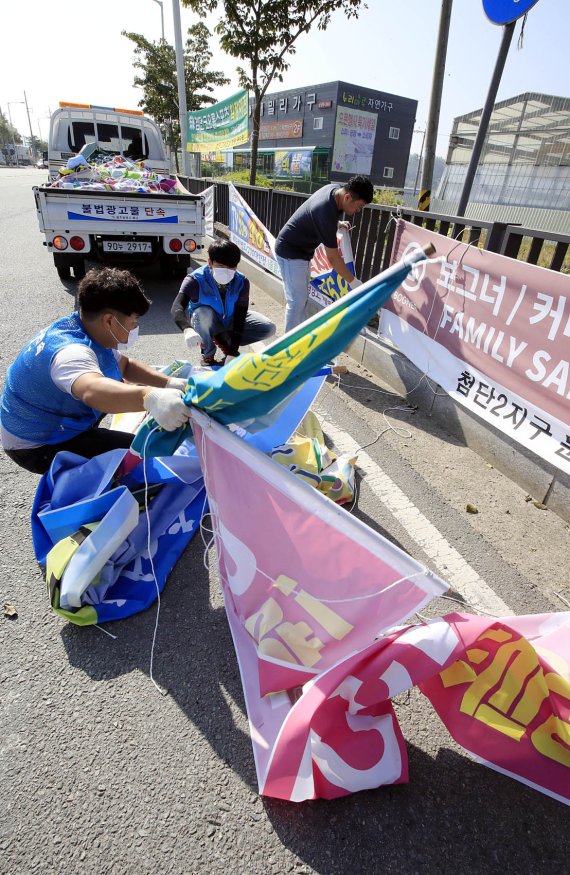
x=314, y=598
x=493, y=332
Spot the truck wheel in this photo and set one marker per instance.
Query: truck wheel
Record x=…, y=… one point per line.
x=166, y=268
x=79, y=271
x=63, y=271
x=181, y=266
x=173, y=266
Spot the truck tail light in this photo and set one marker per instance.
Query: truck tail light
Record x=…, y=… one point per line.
x=189, y=245
x=175, y=244
x=77, y=243
x=60, y=243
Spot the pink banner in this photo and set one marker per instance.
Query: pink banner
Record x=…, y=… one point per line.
x=494, y=332
x=309, y=582
x=312, y=597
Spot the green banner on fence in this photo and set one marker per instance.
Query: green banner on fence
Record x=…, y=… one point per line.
x=220, y=126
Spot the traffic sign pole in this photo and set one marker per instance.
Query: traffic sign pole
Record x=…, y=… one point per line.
x=505, y=13
x=485, y=116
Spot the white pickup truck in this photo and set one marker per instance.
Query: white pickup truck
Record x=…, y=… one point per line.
x=119, y=228
x=114, y=227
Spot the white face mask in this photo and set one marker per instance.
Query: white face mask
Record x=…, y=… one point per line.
x=132, y=338
x=223, y=275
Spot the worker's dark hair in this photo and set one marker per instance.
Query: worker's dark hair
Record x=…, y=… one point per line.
x=360, y=188
x=111, y=289
x=224, y=252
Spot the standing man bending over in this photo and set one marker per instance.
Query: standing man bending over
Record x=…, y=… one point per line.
x=316, y=222
x=71, y=374
x=214, y=302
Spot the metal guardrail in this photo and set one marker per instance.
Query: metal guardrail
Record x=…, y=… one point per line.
x=374, y=228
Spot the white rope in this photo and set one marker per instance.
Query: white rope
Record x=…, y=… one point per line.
x=105, y=631
x=203, y=528
x=163, y=692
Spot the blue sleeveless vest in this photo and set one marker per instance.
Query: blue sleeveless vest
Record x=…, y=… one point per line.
x=33, y=407
x=210, y=294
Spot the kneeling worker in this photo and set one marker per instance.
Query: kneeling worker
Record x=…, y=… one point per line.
x=71, y=374
x=214, y=300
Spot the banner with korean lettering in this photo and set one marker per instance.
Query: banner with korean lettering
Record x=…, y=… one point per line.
x=250, y=234
x=493, y=332
x=221, y=126
x=258, y=243
x=325, y=284
x=355, y=133
x=313, y=598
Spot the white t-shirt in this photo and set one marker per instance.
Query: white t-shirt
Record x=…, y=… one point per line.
x=67, y=365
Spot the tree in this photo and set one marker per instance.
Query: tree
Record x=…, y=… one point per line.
x=158, y=80
x=8, y=133
x=263, y=33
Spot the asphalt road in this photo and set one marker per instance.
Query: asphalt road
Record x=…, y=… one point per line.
x=99, y=773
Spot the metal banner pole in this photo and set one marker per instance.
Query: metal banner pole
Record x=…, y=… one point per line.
x=182, y=110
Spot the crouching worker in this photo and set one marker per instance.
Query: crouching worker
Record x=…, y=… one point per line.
x=214, y=302
x=74, y=372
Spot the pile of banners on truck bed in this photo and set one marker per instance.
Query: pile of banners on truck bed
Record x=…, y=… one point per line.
x=114, y=174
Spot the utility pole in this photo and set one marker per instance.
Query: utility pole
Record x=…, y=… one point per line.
x=424, y=199
x=182, y=110
x=13, y=102
x=32, y=142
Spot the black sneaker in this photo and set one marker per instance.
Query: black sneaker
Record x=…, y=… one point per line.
x=210, y=361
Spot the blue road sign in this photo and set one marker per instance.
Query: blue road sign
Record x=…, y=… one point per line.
x=506, y=11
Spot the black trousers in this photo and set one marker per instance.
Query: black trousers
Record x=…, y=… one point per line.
x=89, y=443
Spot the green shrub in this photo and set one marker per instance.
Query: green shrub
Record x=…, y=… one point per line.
x=242, y=177
x=389, y=197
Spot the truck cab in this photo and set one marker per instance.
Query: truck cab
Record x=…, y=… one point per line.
x=115, y=131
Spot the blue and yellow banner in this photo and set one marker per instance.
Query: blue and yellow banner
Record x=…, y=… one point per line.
x=250, y=390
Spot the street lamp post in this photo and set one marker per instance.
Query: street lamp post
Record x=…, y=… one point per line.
x=43, y=118
x=161, y=16
x=180, y=77
x=419, y=131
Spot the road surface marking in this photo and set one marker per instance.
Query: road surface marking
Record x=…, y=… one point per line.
x=451, y=566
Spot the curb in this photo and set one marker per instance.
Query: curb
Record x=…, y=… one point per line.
x=545, y=483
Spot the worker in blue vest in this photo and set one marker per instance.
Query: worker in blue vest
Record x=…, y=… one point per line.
x=75, y=371
x=214, y=303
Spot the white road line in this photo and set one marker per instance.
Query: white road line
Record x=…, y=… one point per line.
x=449, y=563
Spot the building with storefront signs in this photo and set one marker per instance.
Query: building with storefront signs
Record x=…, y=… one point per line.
x=525, y=160
x=331, y=131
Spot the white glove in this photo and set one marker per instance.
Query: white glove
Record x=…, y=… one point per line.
x=177, y=383
x=191, y=338
x=167, y=407
x=355, y=283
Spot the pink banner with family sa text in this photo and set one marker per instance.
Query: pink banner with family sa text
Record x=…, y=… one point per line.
x=494, y=332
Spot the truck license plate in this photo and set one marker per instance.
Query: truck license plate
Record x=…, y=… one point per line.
x=127, y=246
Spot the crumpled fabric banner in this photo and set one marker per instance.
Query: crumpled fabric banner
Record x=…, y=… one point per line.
x=315, y=600
x=307, y=456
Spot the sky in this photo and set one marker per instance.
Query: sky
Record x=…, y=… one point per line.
x=75, y=52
